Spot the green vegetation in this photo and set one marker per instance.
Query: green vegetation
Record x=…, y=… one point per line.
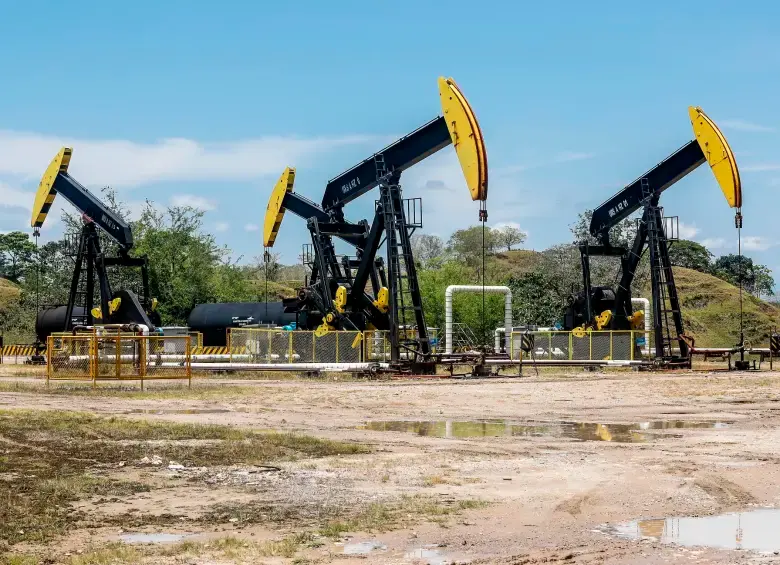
x=402, y=513
x=711, y=306
x=227, y=548
x=333, y=521
x=188, y=267
x=204, y=391
x=50, y=460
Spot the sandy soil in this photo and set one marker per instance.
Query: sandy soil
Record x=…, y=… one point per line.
x=550, y=493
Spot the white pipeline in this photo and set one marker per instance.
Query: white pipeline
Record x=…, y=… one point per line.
x=473, y=288
x=330, y=367
x=497, y=338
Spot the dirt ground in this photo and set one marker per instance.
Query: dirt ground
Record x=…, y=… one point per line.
x=544, y=493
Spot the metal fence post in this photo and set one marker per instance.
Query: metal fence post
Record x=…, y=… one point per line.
x=571, y=347
x=337, y=347
x=49, y=347
x=188, y=361
x=92, y=347
x=143, y=346
x=549, y=346
x=611, y=345
x=590, y=346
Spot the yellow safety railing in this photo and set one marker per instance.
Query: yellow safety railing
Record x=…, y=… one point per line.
x=260, y=345
x=118, y=356
x=617, y=345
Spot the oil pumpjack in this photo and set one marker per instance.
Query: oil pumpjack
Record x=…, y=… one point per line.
x=115, y=307
x=601, y=307
x=358, y=293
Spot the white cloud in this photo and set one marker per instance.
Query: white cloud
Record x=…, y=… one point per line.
x=123, y=163
x=744, y=125
x=500, y=225
x=686, y=231
x=564, y=157
x=756, y=243
x=759, y=167
x=714, y=243
x=193, y=201
x=567, y=156
x=251, y=227
x=11, y=197
x=221, y=226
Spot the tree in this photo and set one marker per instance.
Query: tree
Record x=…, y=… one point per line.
x=268, y=266
x=690, y=255
x=467, y=245
x=736, y=269
x=426, y=248
x=622, y=233
x=186, y=266
x=537, y=299
x=467, y=306
x=18, y=253
x=507, y=236
x=764, y=283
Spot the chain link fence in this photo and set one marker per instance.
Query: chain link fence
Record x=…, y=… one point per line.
x=119, y=357
x=259, y=345
x=70, y=357
x=579, y=346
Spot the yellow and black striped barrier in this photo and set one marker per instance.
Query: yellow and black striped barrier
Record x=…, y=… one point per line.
x=218, y=350
x=17, y=350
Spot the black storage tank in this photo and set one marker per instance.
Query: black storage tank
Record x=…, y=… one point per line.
x=50, y=320
x=213, y=320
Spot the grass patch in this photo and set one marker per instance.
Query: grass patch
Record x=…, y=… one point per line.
x=333, y=521
x=434, y=480
x=409, y=510
x=48, y=461
x=201, y=390
x=228, y=548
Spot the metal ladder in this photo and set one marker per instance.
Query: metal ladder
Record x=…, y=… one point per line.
x=666, y=303
x=82, y=266
x=409, y=335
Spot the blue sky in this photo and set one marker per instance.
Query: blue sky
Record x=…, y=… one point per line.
x=206, y=103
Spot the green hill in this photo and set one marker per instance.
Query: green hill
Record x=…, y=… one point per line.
x=518, y=261
x=711, y=310
x=9, y=293
x=710, y=305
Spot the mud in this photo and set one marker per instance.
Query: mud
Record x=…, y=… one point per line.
x=708, y=448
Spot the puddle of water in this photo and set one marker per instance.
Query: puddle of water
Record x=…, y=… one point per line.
x=152, y=538
x=363, y=547
x=430, y=556
x=583, y=431
x=752, y=530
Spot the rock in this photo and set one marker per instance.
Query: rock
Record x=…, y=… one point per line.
x=121, y=464
x=175, y=466
x=157, y=460
x=233, y=520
